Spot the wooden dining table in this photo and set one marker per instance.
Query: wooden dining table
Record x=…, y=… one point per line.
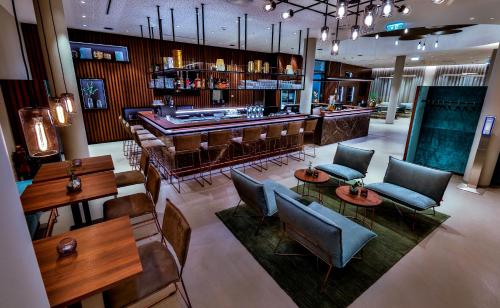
x=59, y=170
x=44, y=196
x=106, y=254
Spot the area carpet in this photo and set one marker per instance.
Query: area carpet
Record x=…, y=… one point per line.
x=301, y=277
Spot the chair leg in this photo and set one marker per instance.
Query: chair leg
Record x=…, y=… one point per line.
x=236, y=208
x=325, y=280
x=261, y=222
x=186, y=300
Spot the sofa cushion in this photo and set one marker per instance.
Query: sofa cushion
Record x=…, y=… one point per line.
x=354, y=158
x=403, y=195
x=340, y=171
x=354, y=236
x=424, y=180
x=270, y=187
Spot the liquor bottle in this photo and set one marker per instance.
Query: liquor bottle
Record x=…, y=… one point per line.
x=197, y=82
x=188, y=83
x=180, y=82
x=211, y=82
x=203, y=83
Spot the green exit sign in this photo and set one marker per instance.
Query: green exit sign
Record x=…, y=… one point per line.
x=395, y=25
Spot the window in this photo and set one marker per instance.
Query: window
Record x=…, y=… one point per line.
x=319, y=74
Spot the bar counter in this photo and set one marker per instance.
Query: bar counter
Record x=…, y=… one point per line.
x=342, y=125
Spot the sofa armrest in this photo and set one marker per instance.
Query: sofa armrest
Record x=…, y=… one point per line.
x=270, y=187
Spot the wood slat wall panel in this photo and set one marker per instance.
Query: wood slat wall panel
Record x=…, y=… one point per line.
x=126, y=84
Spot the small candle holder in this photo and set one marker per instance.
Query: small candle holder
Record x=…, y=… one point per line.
x=74, y=184
x=66, y=246
x=363, y=192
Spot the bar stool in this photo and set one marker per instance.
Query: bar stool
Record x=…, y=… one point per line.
x=248, y=145
x=292, y=139
x=216, y=150
x=154, y=148
x=137, y=147
x=309, y=130
x=272, y=144
x=133, y=177
x=177, y=159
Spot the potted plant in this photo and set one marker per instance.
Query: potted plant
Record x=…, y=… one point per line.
x=353, y=189
x=88, y=91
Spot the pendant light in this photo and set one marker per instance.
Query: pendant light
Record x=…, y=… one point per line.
x=369, y=18
x=423, y=47
x=39, y=131
x=336, y=42
x=404, y=9
x=59, y=112
x=377, y=36
x=436, y=44
x=270, y=6
x=387, y=8
x=287, y=14
x=325, y=29
x=355, y=28
x=341, y=8
x=396, y=42
x=69, y=101
x=419, y=46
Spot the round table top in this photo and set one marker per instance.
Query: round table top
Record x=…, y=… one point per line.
x=372, y=200
x=301, y=175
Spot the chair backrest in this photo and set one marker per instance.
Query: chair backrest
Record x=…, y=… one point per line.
x=187, y=143
x=153, y=183
x=177, y=232
x=218, y=138
x=251, y=134
x=293, y=128
x=274, y=131
x=310, y=126
x=354, y=158
x=144, y=162
x=427, y=181
x=250, y=191
x=311, y=229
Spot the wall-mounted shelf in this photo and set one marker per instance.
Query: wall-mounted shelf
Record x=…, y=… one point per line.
x=98, y=52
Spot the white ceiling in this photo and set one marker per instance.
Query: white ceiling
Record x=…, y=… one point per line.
x=126, y=16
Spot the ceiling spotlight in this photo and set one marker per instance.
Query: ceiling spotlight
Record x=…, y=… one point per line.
x=287, y=14
x=423, y=47
x=419, y=46
x=438, y=1
x=270, y=6
x=377, y=36
x=324, y=33
x=335, y=48
x=341, y=8
x=369, y=15
x=436, y=44
x=387, y=8
x=415, y=58
x=406, y=31
x=354, y=32
x=404, y=9
x=396, y=42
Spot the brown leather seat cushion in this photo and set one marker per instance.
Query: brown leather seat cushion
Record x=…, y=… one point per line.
x=130, y=205
x=152, y=143
x=127, y=178
x=159, y=270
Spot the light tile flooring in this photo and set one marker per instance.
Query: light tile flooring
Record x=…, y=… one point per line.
x=458, y=265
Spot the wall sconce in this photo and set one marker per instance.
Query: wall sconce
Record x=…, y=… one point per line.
x=58, y=112
x=39, y=131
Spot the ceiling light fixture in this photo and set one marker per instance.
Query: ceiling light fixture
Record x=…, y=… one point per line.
x=287, y=14
x=423, y=47
x=369, y=14
x=438, y=1
x=336, y=42
x=396, y=42
x=415, y=58
x=83, y=16
x=419, y=46
x=387, y=8
x=406, y=30
x=436, y=44
x=404, y=9
x=354, y=32
x=270, y=6
x=377, y=36
x=325, y=29
x=341, y=9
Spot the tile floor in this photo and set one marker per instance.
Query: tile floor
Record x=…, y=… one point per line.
x=455, y=266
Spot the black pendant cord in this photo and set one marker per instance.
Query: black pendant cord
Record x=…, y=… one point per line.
x=326, y=12
x=173, y=23
x=58, y=50
x=149, y=26
x=197, y=26
x=306, y=47
x=46, y=47
x=357, y=13
x=20, y=40
x=239, y=33
x=152, y=32
x=272, y=38
x=203, y=22
x=142, y=32
x=279, y=37
x=300, y=41
x=246, y=31
x=337, y=30
x=160, y=29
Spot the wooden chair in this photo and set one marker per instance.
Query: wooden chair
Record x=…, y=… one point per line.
x=139, y=204
x=249, y=147
x=216, y=150
x=292, y=139
x=272, y=144
x=160, y=268
x=309, y=130
x=133, y=177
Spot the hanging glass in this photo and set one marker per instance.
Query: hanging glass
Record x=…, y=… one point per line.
x=39, y=131
x=59, y=113
x=69, y=101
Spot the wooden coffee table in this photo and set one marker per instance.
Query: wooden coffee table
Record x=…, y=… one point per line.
x=301, y=176
x=369, y=203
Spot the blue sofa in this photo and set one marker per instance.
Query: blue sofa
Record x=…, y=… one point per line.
x=414, y=186
x=349, y=163
x=327, y=234
x=259, y=195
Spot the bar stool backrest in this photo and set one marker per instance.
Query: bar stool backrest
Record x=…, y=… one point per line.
x=310, y=126
x=274, y=131
x=153, y=183
x=251, y=134
x=218, y=138
x=176, y=230
x=144, y=163
x=293, y=128
x=187, y=143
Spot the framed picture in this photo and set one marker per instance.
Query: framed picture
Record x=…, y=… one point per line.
x=93, y=94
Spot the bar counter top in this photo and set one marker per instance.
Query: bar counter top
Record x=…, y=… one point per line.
x=168, y=128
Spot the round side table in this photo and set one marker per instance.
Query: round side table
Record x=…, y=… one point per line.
x=369, y=203
x=302, y=176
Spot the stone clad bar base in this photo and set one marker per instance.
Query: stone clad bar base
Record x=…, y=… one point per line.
x=346, y=126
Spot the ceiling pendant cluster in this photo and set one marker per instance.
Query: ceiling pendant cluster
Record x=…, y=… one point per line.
x=340, y=9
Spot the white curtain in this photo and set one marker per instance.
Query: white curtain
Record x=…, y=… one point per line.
x=381, y=86
x=460, y=75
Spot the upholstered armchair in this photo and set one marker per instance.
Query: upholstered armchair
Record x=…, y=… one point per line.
x=259, y=195
x=330, y=236
x=349, y=163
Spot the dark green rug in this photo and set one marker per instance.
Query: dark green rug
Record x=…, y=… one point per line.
x=301, y=277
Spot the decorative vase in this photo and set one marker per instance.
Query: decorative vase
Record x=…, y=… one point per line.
x=74, y=184
x=90, y=103
x=353, y=190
